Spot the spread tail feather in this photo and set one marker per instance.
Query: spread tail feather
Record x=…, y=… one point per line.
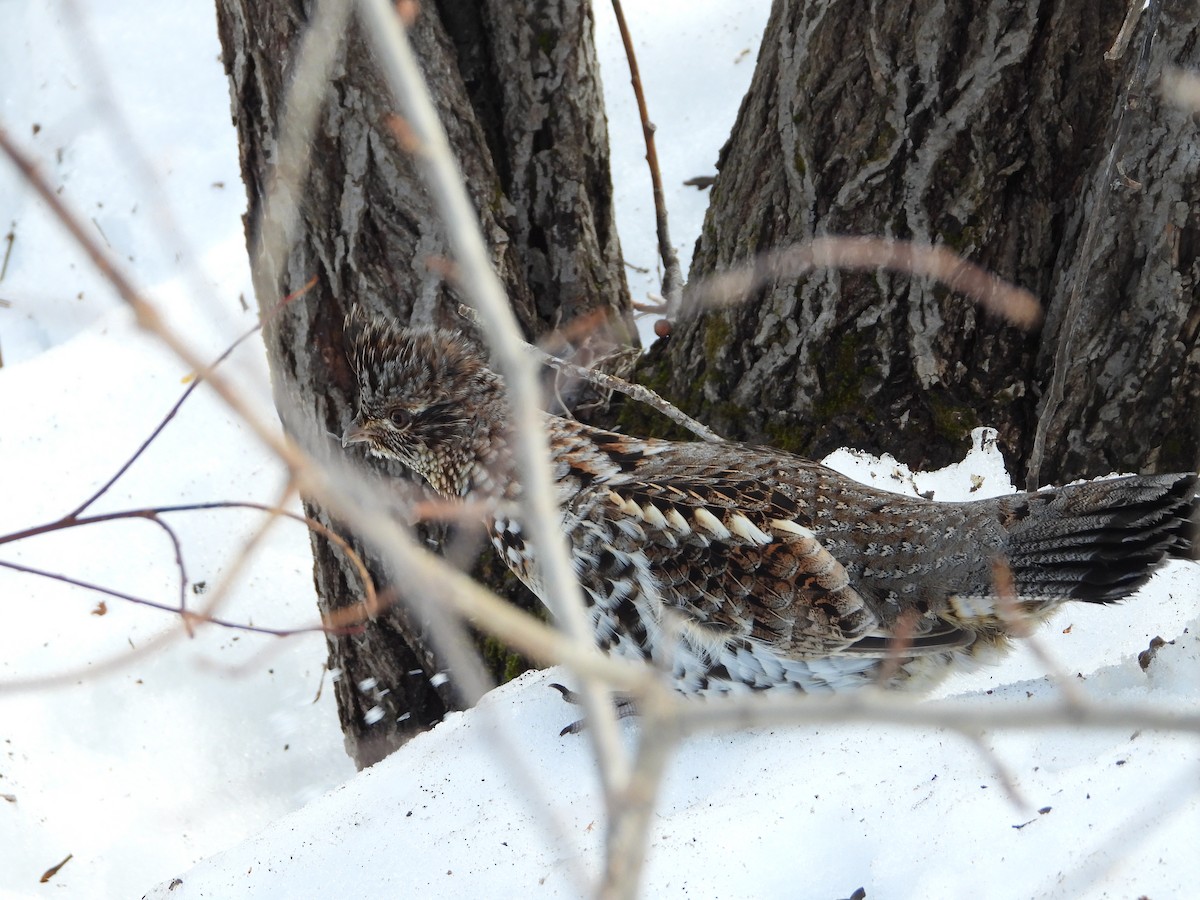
x=1102, y=540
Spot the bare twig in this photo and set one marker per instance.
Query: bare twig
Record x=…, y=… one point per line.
x=191, y=617
x=1008, y=607
x=889, y=708
x=629, y=830
x=900, y=641
x=195, y=383
x=1003, y=774
x=276, y=220
x=396, y=61
x=9, y=239
x=371, y=604
x=188, y=617
x=613, y=383
x=1125, y=35
x=53, y=870
x=1016, y=304
x=246, y=550
x=672, y=287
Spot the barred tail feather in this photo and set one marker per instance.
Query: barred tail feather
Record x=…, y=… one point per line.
x=1102, y=540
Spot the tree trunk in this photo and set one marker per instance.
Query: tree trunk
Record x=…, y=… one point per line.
x=983, y=127
x=517, y=88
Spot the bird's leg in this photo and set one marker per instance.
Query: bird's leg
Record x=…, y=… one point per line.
x=625, y=707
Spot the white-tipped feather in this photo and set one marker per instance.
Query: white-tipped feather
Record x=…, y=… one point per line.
x=792, y=528
x=747, y=530
x=653, y=516
x=678, y=522
x=706, y=521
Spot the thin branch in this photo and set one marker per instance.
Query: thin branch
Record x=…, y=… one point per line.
x=1125, y=35
x=395, y=59
x=181, y=567
x=629, y=830
x=1008, y=608
x=246, y=551
x=195, y=383
x=613, y=383
x=1003, y=775
x=274, y=226
x=876, y=707
x=672, y=286
x=371, y=604
x=995, y=295
x=9, y=239
x=190, y=617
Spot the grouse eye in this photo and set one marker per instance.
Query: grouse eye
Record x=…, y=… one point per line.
x=400, y=417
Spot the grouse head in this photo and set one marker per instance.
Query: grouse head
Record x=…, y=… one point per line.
x=425, y=398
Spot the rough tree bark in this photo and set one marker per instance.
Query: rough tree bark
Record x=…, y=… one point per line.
x=518, y=90
x=981, y=126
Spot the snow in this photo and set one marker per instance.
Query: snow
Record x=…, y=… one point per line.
x=762, y=813
x=213, y=766
x=184, y=750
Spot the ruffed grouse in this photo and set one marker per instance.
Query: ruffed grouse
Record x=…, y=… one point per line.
x=734, y=567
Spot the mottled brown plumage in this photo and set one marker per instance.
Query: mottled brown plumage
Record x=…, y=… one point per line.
x=734, y=567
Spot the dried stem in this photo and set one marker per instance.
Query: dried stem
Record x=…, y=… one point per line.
x=994, y=294
x=613, y=383
x=629, y=830
x=370, y=606
x=1125, y=35
x=868, y=706
x=195, y=383
x=189, y=617
x=272, y=231
x=386, y=32
x=1003, y=774
x=672, y=286
x=1008, y=608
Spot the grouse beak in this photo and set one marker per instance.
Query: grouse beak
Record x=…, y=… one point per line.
x=355, y=433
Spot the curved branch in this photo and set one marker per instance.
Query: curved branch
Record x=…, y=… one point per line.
x=345, y=619
x=186, y=616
